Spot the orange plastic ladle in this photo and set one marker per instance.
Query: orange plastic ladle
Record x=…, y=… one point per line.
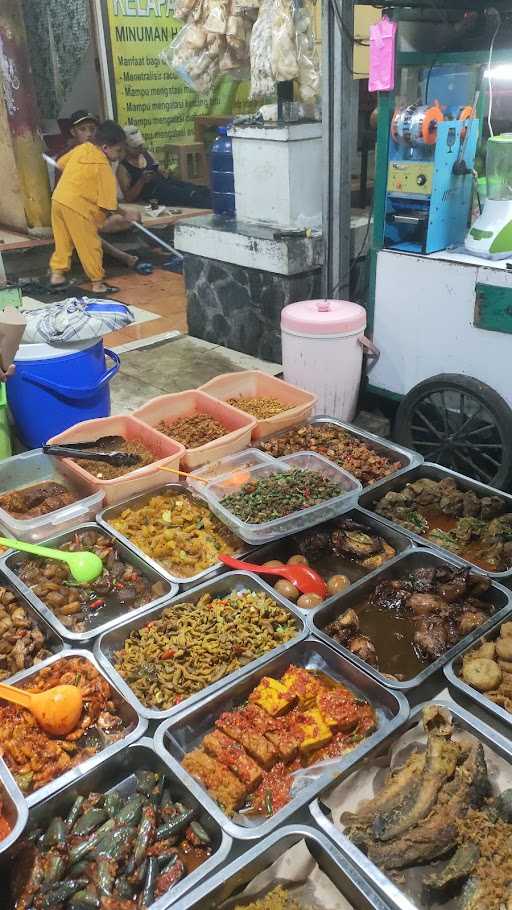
x=303, y=577
x=56, y=710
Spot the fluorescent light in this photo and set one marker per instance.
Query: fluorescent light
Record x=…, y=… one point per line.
x=500, y=73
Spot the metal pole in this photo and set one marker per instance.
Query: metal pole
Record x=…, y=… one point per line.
x=337, y=43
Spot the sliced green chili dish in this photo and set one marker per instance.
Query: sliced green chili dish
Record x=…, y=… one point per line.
x=274, y=497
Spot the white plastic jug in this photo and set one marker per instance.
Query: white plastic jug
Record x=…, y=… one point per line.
x=323, y=352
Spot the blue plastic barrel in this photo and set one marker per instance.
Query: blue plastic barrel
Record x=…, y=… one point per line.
x=222, y=177
x=54, y=388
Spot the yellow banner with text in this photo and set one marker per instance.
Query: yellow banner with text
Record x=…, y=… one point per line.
x=147, y=93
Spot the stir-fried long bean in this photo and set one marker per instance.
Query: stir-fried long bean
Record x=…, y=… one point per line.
x=192, y=645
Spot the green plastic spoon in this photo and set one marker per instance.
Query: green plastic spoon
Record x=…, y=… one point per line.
x=84, y=567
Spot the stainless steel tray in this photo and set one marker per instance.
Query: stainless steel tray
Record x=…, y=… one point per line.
x=128, y=556
x=221, y=586
x=14, y=807
x=117, y=773
x=53, y=641
x=452, y=671
x=397, y=567
x=393, y=895
x=176, y=737
x=347, y=879
x=135, y=726
x=287, y=546
x=369, y=498
x=407, y=457
x=105, y=517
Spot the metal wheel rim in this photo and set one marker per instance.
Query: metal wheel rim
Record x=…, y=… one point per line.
x=466, y=438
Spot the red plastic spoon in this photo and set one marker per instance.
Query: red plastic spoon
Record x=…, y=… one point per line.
x=303, y=577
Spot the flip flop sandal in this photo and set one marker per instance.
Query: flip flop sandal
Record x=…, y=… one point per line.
x=143, y=268
x=87, y=292
x=59, y=288
x=174, y=264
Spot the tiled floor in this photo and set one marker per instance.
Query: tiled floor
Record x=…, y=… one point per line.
x=162, y=293
x=173, y=366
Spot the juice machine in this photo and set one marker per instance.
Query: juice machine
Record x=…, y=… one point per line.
x=429, y=180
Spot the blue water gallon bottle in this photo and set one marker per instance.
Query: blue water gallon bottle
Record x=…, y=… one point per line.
x=222, y=176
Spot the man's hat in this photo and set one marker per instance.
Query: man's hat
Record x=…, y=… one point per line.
x=78, y=117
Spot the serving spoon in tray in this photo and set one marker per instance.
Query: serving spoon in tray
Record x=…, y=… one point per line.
x=305, y=579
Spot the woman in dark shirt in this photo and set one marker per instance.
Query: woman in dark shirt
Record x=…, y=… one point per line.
x=142, y=179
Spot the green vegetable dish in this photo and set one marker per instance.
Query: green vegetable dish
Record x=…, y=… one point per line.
x=112, y=851
x=274, y=497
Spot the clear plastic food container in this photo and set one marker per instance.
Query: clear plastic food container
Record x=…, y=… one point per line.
x=254, y=383
x=31, y=468
x=170, y=408
x=249, y=458
x=296, y=521
x=168, y=455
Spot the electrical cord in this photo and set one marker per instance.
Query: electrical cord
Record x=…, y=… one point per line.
x=357, y=257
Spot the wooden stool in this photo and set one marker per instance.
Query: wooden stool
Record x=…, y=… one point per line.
x=190, y=156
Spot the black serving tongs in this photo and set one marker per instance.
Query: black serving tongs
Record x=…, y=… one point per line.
x=79, y=450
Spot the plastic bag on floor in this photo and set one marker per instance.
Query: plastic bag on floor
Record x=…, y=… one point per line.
x=75, y=319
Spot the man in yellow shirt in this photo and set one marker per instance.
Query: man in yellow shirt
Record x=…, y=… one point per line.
x=83, y=197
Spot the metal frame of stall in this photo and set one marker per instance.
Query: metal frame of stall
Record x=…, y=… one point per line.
x=337, y=47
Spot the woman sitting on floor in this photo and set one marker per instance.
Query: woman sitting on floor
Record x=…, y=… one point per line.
x=142, y=179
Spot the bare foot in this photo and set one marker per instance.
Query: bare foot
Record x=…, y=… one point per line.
x=99, y=287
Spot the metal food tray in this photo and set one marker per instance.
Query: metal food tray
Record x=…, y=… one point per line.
x=127, y=556
x=407, y=457
x=53, y=641
x=398, y=567
x=104, y=518
x=117, y=773
x=178, y=736
x=135, y=726
x=284, y=548
x=432, y=472
x=452, y=673
x=14, y=807
x=347, y=879
x=221, y=586
x=394, y=896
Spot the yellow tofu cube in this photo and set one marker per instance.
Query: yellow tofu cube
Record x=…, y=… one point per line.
x=315, y=731
x=304, y=685
x=272, y=697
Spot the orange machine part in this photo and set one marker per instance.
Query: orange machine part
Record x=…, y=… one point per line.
x=433, y=116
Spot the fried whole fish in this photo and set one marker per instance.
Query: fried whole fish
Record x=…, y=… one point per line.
x=457, y=868
x=440, y=762
x=395, y=788
x=437, y=834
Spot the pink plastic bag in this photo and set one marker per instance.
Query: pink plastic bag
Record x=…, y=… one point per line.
x=382, y=56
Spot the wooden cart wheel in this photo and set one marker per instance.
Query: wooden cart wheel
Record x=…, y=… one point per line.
x=461, y=423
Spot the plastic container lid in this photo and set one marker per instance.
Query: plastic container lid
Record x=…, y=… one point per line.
x=295, y=522
x=34, y=467
x=323, y=317
x=40, y=351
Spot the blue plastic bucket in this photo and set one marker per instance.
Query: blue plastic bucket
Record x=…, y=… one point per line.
x=53, y=389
